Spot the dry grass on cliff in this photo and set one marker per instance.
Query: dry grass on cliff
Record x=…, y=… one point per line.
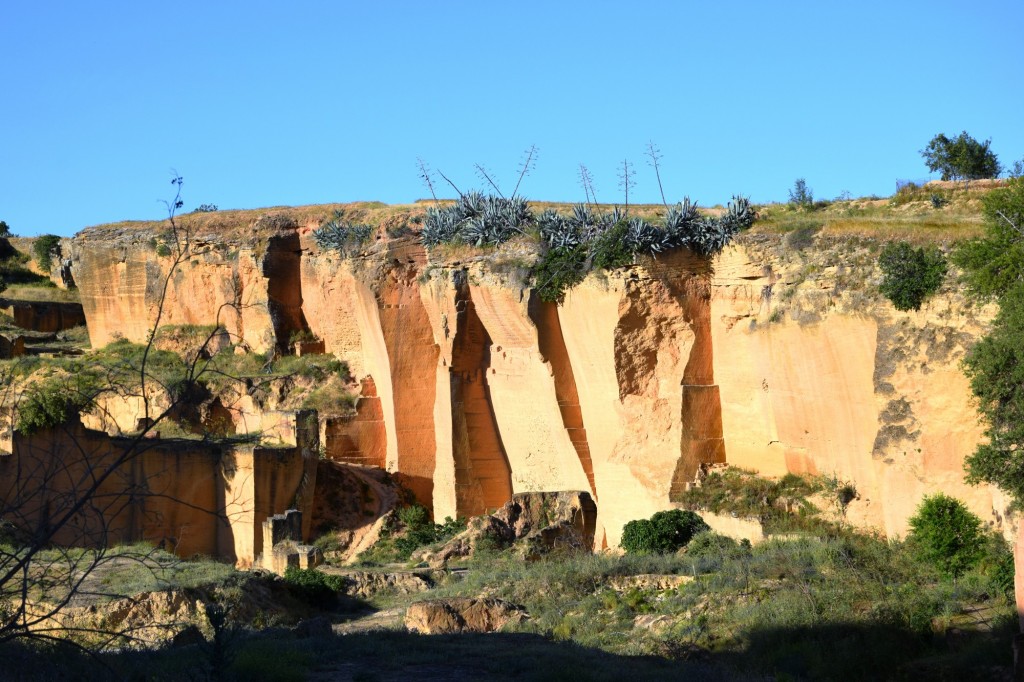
x=909, y=216
x=42, y=293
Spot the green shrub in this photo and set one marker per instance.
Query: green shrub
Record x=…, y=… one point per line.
x=666, y=531
x=411, y=531
x=612, y=248
x=710, y=544
x=313, y=586
x=910, y=275
x=50, y=403
x=414, y=516
x=947, y=535
x=43, y=247
x=801, y=194
x=996, y=564
x=558, y=270
x=994, y=263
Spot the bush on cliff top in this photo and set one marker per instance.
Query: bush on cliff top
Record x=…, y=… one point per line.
x=43, y=248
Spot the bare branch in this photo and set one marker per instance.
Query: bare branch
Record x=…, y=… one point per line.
x=458, y=191
x=528, y=164
x=587, y=181
x=626, y=180
x=655, y=155
x=425, y=177
x=1010, y=223
x=482, y=172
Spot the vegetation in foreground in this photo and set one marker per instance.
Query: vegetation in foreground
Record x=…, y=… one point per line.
x=803, y=605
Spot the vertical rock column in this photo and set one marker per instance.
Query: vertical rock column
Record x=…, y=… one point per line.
x=472, y=474
x=552, y=348
x=701, y=440
x=522, y=390
x=412, y=356
x=638, y=341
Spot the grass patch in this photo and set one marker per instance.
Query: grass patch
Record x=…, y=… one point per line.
x=917, y=221
x=757, y=608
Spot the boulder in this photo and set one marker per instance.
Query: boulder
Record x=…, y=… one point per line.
x=648, y=581
x=365, y=584
x=442, y=616
x=540, y=522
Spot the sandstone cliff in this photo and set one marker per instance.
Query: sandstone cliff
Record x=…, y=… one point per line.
x=820, y=374
x=773, y=357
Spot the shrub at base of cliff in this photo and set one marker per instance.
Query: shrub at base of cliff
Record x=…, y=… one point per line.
x=409, y=531
x=780, y=505
x=910, y=275
x=946, y=534
x=314, y=587
x=52, y=402
x=666, y=531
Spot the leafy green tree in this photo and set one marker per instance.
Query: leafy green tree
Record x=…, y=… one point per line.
x=801, y=194
x=910, y=275
x=961, y=158
x=666, y=531
x=994, y=263
x=946, y=534
x=5, y=229
x=42, y=249
x=993, y=268
x=995, y=367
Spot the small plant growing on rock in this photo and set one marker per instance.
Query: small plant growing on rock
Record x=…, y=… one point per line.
x=910, y=275
x=313, y=586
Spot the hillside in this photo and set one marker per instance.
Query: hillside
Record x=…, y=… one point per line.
x=360, y=378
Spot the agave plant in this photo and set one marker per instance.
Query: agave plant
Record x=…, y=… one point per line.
x=440, y=225
x=559, y=231
x=679, y=219
x=642, y=237
x=338, y=234
x=477, y=219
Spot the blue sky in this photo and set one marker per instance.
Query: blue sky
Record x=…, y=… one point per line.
x=271, y=103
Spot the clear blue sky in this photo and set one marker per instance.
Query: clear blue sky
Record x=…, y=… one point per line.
x=274, y=103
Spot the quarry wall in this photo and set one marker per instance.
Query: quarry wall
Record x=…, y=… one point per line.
x=775, y=356
x=188, y=496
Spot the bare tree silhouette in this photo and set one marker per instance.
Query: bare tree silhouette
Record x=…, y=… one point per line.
x=68, y=495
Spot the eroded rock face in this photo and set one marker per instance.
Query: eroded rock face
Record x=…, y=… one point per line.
x=774, y=357
x=443, y=616
x=819, y=374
